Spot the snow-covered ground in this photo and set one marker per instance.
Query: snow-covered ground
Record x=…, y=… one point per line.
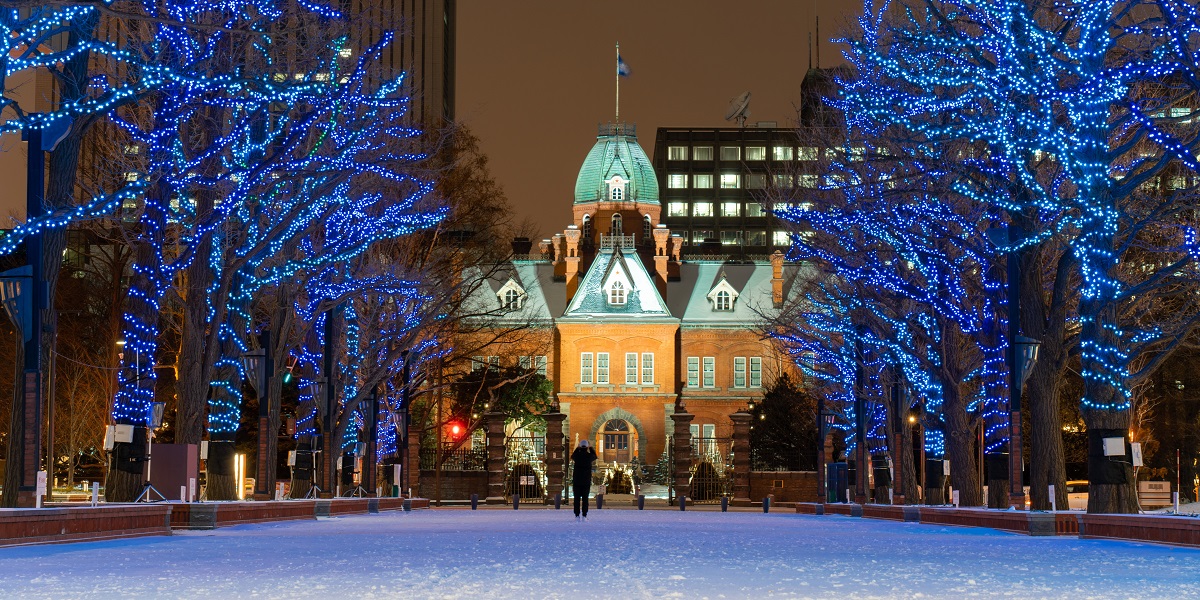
x=617, y=554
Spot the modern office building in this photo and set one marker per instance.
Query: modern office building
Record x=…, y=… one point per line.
x=715, y=180
x=424, y=49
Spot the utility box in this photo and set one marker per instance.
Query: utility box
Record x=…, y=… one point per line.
x=1154, y=494
x=172, y=466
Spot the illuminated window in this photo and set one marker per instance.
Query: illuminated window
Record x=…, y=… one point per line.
x=702, y=209
x=677, y=153
x=702, y=181
x=806, y=153
x=731, y=153
x=731, y=209
x=784, y=181
x=781, y=238
x=731, y=181
x=756, y=153
x=754, y=209
x=677, y=181
x=782, y=152
x=677, y=209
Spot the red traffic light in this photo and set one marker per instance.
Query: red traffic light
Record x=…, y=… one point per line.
x=455, y=430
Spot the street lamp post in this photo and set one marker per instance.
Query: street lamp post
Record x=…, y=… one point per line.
x=259, y=365
x=20, y=302
x=1022, y=354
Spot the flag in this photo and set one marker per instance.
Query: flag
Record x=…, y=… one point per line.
x=622, y=68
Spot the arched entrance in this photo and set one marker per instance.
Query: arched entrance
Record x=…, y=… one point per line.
x=614, y=441
x=628, y=437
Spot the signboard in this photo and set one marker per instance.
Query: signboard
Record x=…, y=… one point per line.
x=41, y=483
x=527, y=480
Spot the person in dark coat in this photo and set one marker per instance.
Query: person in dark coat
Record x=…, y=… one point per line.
x=582, y=459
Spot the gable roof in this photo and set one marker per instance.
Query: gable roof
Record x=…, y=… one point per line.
x=591, y=299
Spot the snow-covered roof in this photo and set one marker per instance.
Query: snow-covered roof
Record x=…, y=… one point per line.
x=591, y=299
x=689, y=297
x=524, y=276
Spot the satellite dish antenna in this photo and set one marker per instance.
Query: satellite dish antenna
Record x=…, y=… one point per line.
x=739, y=109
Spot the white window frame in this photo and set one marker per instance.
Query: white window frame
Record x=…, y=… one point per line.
x=647, y=368
x=693, y=371
x=709, y=372
x=601, y=368
x=631, y=368
x=617, y=294
x=723, y=301
x=477, y=363
x=739, y=371
x=755, y=371
x=523, y=362
x=585, y=368
x=540, y=363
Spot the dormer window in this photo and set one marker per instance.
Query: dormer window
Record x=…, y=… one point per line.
x=723, y=301
x=617, y=293
x=723, y=296
x=511, y=296
x=616, y=188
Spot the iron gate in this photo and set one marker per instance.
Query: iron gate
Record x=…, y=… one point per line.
x=712, y=470
x=525, y=467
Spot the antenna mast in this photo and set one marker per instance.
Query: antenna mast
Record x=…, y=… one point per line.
x=617, y=118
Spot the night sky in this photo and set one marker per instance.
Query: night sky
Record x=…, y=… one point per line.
x=535, y=77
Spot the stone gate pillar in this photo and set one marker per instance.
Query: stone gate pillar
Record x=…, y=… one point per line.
x=495, y=456
x=682, y=449
x=741, y=456
x=555, y=453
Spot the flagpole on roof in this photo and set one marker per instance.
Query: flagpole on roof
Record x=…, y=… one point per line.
x=617, y=119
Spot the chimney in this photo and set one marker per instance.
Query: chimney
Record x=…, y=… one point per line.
x=547, y=250
x=777, y=279
x=521, y=247
x=662, y=235
x=572, y=235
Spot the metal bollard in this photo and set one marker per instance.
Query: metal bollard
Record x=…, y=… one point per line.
x=641, y=502
x=683, y=503
x=474, y=501
x=557, y=500
x=599, y=501
x=766, y=505
x=516, y=501
x=724, y=503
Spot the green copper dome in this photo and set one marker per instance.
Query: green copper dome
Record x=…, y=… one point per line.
x=616, y=153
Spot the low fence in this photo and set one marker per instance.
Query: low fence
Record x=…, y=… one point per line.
x=1158, y=529
x=85, y=523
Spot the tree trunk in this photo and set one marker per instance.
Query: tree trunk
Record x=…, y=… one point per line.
x=125, y=473
x=16, y=431
x=222, y=476
x=997, y=478
x=960, y=446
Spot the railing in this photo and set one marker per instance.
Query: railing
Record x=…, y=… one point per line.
x=617, y=129
x=461, y=459
x=625, y=242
